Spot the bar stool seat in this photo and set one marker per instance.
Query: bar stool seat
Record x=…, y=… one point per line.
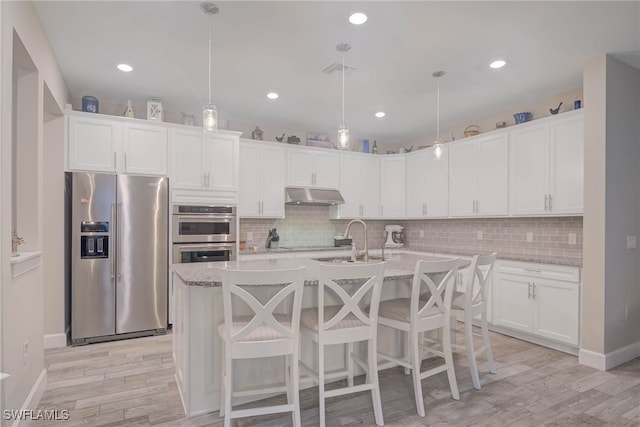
x=253, y=329
x=424, y=312
x=345, y=322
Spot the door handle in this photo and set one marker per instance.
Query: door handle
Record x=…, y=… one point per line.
x=119, y=240
x=549, y=202
x=546, y=202
x=115, y=165
x=113, y=263
x=381, y=210
x=204, y=179
x=125, y=162
x=529, y=291
x=534, y=291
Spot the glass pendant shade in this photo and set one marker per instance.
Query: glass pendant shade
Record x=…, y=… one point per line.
x=437, y=150
x=210, y=118
x=343, y=138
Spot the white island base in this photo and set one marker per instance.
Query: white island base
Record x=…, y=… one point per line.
x=197, y=348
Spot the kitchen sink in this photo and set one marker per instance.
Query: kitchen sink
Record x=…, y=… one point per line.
x=345, y=260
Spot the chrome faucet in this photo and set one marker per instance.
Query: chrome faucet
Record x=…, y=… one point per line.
x=364, y=253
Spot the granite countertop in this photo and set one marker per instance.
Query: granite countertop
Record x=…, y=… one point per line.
x=570, y=262
x=398, y=266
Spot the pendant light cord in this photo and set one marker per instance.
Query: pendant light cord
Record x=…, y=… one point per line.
x=343, y=66
x=438, y=113
x=209, y=62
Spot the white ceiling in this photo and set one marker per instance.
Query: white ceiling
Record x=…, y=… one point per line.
x=284, y=46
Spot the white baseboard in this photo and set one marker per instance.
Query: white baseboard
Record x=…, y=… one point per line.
x=55, y=341
x=592, y=359
x=604, y=362
x=34, y=396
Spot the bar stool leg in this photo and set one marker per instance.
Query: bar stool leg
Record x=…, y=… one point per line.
x=415, y=367
x=372, y=377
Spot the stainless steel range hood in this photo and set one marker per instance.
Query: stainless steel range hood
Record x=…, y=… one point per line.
x=312, y=196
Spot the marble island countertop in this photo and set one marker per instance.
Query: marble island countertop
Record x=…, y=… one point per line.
x=398, y=266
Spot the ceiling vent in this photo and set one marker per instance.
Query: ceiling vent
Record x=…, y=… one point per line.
x=336, y=66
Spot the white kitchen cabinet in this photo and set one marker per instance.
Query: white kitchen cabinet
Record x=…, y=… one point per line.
x=359, y=186
x=392, y=187
x=145, y=149
x=99, y=143
x=538, y=299
x=547, y=166
x=310, y=167
x=204, y=166
x=262, y=180
x=479, y=173
x=427, y=184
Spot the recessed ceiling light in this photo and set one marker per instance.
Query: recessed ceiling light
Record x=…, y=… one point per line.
x=272, y=95
x=358, y=18
x=380, y=114
x=498, y=64
x=125, y=67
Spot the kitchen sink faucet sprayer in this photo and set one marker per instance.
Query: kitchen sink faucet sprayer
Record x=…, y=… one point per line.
x=364, y=253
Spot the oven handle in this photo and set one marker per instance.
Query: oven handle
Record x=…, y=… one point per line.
x=204, y=218
x=183, y=248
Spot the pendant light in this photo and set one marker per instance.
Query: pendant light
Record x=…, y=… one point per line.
x=209, y=112
x=343, y=131
x=437, y=145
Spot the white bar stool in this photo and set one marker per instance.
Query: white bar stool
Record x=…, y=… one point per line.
x=423, y=313
x=263, y=333
x=471, y=303
x=345, y=319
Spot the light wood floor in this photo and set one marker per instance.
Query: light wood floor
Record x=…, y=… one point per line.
x=130, y=383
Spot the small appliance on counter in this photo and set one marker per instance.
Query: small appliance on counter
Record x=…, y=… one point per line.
x=395, y=236
x=273, y=240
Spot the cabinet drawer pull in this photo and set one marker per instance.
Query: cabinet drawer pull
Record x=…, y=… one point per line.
x=534, y=291
x=532, y=271
x=529, y=290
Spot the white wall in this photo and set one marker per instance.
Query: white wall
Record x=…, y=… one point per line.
x=611, y=279
x=53, y=236
x=22, y=299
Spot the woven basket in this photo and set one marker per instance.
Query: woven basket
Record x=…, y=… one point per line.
x=471, y=130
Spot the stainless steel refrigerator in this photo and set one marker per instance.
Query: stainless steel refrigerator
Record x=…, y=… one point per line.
x=119, y=256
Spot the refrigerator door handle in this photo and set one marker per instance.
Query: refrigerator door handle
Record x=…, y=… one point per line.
x=119, y=239
x=112, y=258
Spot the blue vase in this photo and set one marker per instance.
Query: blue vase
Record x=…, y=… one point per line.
x=90, y=104
x=365, y=145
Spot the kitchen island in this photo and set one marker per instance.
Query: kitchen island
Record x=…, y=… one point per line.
x=198, y=310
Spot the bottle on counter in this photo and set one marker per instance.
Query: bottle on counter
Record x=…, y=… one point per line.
x=374, y=150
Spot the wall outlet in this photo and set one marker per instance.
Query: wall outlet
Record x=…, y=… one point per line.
x=529, y=236
x=632, y=242
x=479, y=235
x=421, y=233
x=626, y=311
x=25, y=352
x=572, y=238
x=250, y=236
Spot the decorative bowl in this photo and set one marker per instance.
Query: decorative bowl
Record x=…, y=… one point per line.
x=522, y=117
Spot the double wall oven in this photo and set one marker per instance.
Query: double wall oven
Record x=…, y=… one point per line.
x=204, y=233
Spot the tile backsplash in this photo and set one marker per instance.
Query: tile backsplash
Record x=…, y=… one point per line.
x=311, y=226
x=507, y=236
